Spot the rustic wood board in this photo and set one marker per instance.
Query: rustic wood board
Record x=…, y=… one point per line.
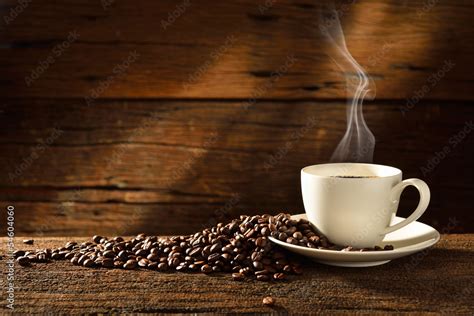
x=152, y=158
x=439, y=280
x=400, y=43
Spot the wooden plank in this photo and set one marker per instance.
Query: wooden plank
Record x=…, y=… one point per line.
x=191, y=159
x=229, y=50
x=439, y=280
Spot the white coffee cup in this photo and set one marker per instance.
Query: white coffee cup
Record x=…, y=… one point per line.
x=353, y=204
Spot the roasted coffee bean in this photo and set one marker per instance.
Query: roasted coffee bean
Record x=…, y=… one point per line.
x=41, y=257
x=130, y=264
x=261, y=242
x=268, y=301
x=143, y=263
x=28, y=241
x=162, y=266
x=70, y=245
x=23, y=261
x=257, y=265
x=108, y=254
x=181, y=268
x=57, y=256
x=238, y=276
x=213, y=257
x=88, y=263
x=297, y=235
x=18, y=253
x=279, y=276
x=240, y=247
x=263, y=277
x=206, y=269
x=118, y=264
x=75, y=260
x=107, y=263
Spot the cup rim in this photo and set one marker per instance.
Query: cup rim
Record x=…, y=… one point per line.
x=394, y=171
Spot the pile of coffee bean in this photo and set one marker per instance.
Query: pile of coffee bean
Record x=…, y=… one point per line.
x=241, y=247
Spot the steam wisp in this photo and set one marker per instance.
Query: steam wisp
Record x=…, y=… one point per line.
x=357, y=144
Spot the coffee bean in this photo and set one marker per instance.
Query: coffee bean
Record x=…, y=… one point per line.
x=88, y=263
x=18, y=253
x=28, y=241
x=263, y=277
x=107, y=263
x=297, y=235
x=206, y=269
x=261, y=242
x=279, y=276
x=213, y=257
x=130, y=264
x=23, y=261
x=257, y=265
x=108, y=254
x=282, y=236
x=268, y=301
x=238, y=276
x=240, y=247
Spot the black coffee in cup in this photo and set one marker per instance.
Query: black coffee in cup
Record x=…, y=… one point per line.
x=354, y=177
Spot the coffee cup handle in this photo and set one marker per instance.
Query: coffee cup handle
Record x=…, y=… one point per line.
x=422, y=204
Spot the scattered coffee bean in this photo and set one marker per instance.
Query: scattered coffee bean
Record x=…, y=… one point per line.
x=268, y=301
x=23, y=261
x=18, y=253
x=130, y=264
x=88, y=263
x=28, y=241
x=238, y=276
x=240, y=247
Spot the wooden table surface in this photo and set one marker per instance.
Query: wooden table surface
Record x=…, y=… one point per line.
x=438, y=280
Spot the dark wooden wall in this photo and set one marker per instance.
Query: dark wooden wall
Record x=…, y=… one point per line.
x=127, y=126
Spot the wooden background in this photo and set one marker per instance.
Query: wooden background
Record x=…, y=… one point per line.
x=194, y=129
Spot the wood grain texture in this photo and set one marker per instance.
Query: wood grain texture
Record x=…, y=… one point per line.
x=438, y=280
x=195, y=163
x=401, y=43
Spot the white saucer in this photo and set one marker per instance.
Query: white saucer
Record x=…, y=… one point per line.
x=412, y=238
